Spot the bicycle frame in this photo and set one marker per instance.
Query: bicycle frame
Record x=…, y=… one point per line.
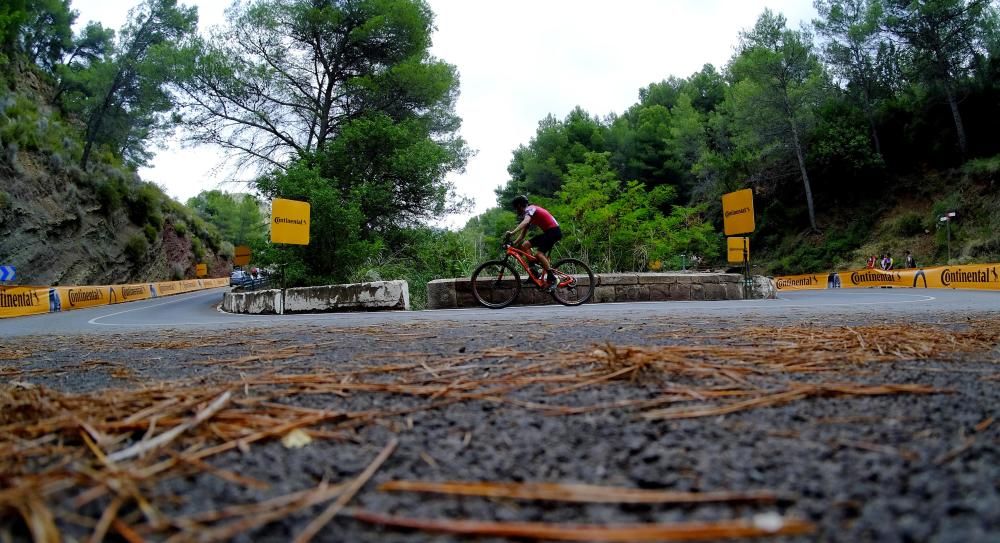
x=524, y=258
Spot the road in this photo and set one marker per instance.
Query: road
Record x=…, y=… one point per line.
x=200, y=311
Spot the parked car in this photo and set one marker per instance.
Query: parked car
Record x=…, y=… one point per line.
x=239, y=278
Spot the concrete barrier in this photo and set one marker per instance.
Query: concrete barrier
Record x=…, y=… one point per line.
x=261, y=302
x=356, y=297
x=617, y=287
x=381, y=295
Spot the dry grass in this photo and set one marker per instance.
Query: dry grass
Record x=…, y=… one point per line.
x=60, y=452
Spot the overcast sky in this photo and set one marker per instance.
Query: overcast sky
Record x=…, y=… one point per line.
x=519, y=60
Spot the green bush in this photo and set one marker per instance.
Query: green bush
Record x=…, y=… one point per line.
x=176, y=271
x=908, y=225
x=144, y=205
x=109, y=195
x=988, y=168
x=136, y=248
x=226, y=250
x=151, y=233
x=198, y=248
x=180, y=227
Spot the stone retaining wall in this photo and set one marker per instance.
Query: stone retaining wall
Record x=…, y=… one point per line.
x=380, y=295
x=617, y=287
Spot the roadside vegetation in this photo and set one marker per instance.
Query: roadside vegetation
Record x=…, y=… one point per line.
x=855, y=131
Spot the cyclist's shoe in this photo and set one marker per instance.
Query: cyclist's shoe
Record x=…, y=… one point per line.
x=553, y=282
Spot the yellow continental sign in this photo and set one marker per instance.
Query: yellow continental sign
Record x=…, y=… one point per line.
x=972, y=276
x=20, y=301
x=289, y=222
x=168, y=288
x=201, y=270
x=190, y=285
x=80, y=297
x=975, y=276
x=737, y=212
x=799, y=282
x=131, y=293
x=735, y=249
x=241, y=256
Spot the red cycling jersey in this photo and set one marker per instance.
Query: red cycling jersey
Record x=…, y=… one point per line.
x=540, y=217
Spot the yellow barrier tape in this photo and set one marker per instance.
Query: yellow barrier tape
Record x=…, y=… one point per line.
x=25, y=300
x=970, y=276
x=20, y=301
x=80, y=297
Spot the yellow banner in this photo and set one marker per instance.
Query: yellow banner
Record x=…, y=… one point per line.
x=167, y=288
x=975, y=276
x=799, y=282
x=80, y=297
x=130, y=293
x=972, y=276
x=190, y=285
x=20, y=301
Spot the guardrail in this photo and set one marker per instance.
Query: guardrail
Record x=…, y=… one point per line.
x=33, y=300
x=970, y=276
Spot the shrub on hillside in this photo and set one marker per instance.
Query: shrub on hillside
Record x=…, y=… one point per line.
x=176, y=271
x=144, y=206
x=226, y=250
x=136, y=248
x=5, y=205
x=180, y=227
x=109, y=195
x=198, y=248
x=908, y=225
x=151, y=233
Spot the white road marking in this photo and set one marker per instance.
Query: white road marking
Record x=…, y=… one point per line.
x=182, y=299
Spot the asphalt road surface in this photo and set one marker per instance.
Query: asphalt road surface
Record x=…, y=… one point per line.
x=200, y=311
x=871, y=412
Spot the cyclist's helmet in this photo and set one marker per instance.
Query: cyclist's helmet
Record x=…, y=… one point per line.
x=519, y=202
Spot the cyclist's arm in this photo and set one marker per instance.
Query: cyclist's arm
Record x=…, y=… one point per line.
x=520, y=230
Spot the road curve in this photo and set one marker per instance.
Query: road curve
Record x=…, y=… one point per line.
x=199, y=310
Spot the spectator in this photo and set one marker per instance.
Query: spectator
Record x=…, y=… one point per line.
x=910, y=262
x=871, y=262
x=888, y=262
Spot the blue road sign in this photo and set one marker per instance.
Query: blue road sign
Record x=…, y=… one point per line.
x=7, y=273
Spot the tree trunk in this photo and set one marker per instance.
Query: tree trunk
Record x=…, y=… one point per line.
x=805, y=175
x=871, y=123
x=957, y=116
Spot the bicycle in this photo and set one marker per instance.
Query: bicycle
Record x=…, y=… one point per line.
x=496, y=283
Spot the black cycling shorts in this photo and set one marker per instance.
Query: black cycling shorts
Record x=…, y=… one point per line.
x=546, y=240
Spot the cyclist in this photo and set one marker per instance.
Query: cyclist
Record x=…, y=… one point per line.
x=531, y=214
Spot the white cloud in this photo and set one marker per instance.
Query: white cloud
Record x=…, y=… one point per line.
x=521, y=60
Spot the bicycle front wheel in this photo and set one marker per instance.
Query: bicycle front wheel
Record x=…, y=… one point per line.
x=576, y=282
x=495, y=284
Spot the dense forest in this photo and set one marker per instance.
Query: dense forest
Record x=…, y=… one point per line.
x=855, y=132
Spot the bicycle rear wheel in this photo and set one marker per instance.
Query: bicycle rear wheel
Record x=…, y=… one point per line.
x=495, y=284
x=576, y=282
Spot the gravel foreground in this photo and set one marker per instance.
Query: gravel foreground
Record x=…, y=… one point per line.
x=859, y=463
